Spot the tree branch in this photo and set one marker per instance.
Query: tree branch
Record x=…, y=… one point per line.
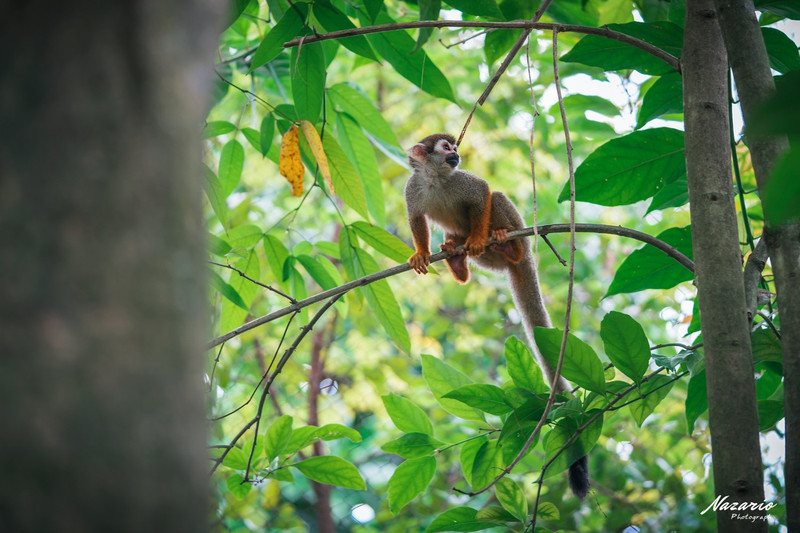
x=397, y=269
x=655, y=51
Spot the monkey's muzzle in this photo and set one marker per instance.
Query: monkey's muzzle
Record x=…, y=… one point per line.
x=452, y=160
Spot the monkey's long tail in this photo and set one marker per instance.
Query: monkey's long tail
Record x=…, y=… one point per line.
x=528, y=298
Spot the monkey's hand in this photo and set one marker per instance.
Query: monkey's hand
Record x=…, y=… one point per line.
x=512, y=250
x=419, y=262
x=475, y=245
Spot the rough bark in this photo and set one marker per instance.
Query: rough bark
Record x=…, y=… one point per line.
x=754, y=85
x=103, y=309
x=733, y=416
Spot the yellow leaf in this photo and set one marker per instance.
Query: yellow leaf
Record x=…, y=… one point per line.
x=311, y=135
x=289, y=163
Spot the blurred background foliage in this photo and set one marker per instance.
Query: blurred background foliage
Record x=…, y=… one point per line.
x=655, y=477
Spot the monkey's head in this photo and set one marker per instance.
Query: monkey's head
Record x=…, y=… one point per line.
x=437, y=153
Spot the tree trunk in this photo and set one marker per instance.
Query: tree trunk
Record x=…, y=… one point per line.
x=102, y=266
x=715, y=242
x=754, y=85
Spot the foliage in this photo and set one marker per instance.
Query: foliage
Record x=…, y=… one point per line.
x=424, y=389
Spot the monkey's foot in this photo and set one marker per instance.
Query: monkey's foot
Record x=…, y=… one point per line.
x=500, y=235
x=449, y=246
x=419, y=262
x=475, y=246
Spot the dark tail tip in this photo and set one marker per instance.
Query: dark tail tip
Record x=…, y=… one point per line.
x=579, y=477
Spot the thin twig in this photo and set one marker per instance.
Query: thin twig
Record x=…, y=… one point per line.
x=571, y=165
x=669, y=250
x=522, y=39
x=668, y=58
x=264, y=374
x=279, y=367
x=256, y=419
x=248, y=278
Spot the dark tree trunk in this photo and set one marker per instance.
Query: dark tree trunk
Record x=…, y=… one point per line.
x=732, y=406
x=102, y=265
x=754, y=85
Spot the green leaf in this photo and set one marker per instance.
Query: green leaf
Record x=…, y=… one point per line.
x=345, y=179
x=428, y=10
x=766, y=346
x=609, y=54
x=412, y=445
x=218, y=246
x=409, y=479
x=216, y=196
x=487, y=465
x=218, y=127
x=383, y=303
x=237, y=487
x=406, y=415
x=469, y=451
x=782, y=51
x=783, y=8
x=770, y=412
x=631, y=168
x=308, y=81
x=231, y=162
x=317, y=271
x=479, y=8
x=487, y=398
x=522, y=368
x=626, y=344
x=783, y=189
x=226, y=290
x=652, y=392
x=498, y=43
x=358, y=149
x=396, y=48
x=331, y=19
x=558, y=437
x=287, y=28
x=301, y=437
x=581, y=364
x=252, y=137
x=244, y=236
x=650, y=268
x=266, y=133
x=235, y=459
x=548, y=511
x=277, y=437
x=515, y=434
x=337, y=431
x=383, y=241
x=675, y=194
x=696, y=399
x=361, y=109
x=664, y=97
x=276, y=254
x=458, y=519
x=332, y=471
x=232, y=316
x=495, y=514
x=443, y=378
x=512, y=498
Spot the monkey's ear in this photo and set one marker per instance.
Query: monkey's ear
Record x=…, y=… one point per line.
x=418, y=152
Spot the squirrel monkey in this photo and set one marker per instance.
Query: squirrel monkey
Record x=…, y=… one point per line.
x=468, y=212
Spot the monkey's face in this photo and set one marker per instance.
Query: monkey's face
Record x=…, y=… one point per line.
x=448, y=152
x=436, y=154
